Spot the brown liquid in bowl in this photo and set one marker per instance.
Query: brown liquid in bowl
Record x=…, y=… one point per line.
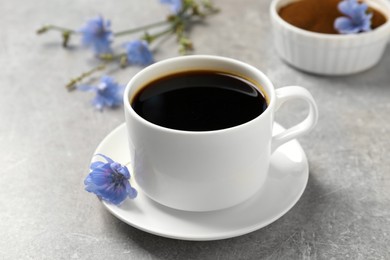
x=319, y=15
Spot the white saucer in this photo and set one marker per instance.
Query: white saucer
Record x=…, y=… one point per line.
x=286, y=182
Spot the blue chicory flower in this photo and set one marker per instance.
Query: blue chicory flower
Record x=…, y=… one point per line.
x=356, y=20
x=96, y=33
x=108, y=93
x=110, y=181
x=176, y=5
x=138, y=53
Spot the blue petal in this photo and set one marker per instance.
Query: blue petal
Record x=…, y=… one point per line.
x=98, y=102
x=102, y=46
x=109, y=101
x=131, y=192
x=115, y=167
x=105, y=182
x=95, y=165
x=86, y=88
x=361, y=9
x=107, y=79
x=115, y=194
x=176, y=5
x=92, y=188
x=104, y=168
x=108, y=159
x=367, y=23
x=100, y=179
x=347, y=7
x=344, y=25
x=138, y=53
x=106, y=191
x=96, y=33
x=125, y=172
x=109, y=93
x=88, y=180
x=359, y=14
x=359, y=19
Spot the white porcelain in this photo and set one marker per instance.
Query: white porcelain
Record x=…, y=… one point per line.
x=286, y=181
x=330, y=54
x=209, y=170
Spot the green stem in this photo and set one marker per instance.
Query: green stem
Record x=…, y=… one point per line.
x=110, y=57
x=56, y=28
x=142, y=28
x=72, y=84
x=153, y=37
x=122, y=57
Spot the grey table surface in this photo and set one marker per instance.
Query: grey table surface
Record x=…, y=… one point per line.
x=47, y=138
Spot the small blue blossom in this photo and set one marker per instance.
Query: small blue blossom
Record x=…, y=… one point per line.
x=138, y=53
x=109, y=181
x=176, y=5
x=108, y=93
x=97, y=34
x=356, y=20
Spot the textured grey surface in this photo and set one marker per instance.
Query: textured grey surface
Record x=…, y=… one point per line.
x=47, y=137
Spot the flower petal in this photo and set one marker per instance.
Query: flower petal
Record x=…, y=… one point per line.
x=115, y=167
x=125, y=172
x=176, y=5
x=98, y=103
x=95, y=165
x=108, y=93
x=108, y=159
x=357, y=19
x=109, y=181
x=100, y=179
x=92, y=188
x=86, y=88
x=347, y=7
x=131, y=192
x=138, y=53
x=96, y=33
x=361, y=9
x=366, y=27
x=115, y=194
x=344, y=25
x=103, y=168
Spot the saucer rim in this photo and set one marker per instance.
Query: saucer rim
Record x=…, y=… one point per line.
x=115, y=210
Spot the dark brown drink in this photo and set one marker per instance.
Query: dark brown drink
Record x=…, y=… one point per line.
x=199, y=101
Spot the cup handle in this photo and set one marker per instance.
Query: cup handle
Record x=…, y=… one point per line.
x=294, y=92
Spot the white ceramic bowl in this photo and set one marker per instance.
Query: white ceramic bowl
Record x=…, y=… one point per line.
x=330, y=54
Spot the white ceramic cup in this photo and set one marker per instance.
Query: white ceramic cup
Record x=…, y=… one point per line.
x=207, y=170
x=330, y=54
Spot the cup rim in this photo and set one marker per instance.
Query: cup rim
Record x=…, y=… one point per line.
x=386, y=26
x=266, y=81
